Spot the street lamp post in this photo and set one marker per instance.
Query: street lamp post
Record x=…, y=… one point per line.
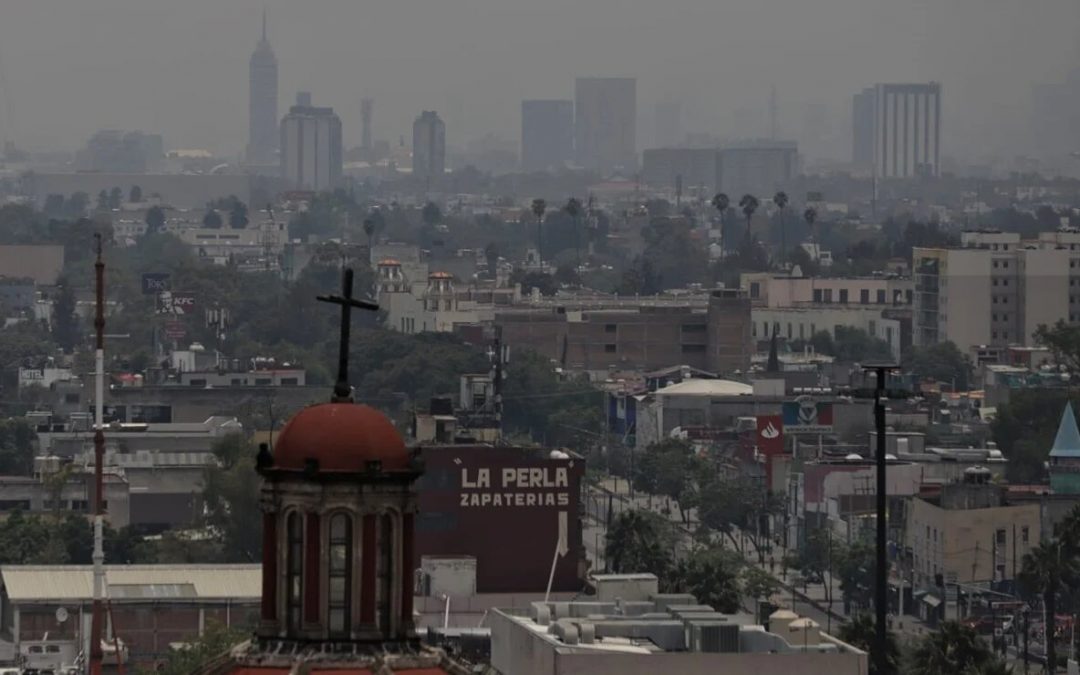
x=881, y=576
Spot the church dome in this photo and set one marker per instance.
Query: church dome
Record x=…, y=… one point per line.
x=341, y=437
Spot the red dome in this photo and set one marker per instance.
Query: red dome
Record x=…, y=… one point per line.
x=342, y=437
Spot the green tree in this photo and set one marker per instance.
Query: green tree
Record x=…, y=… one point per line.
x=1063, y=341
x=781, y=201
x=853, y=564
x=231, y=499
x=16, y=447
x=759, y=584
x=721, y=202
x=749, y=204
x=942, y=362
x=431, y=215
x=103, y=200
x=640, y=541
x=491, y=255
x=212, y=219
x=952, y=648
x=238, y=215
x=1048, y=569
x=860, y=631
x=135, y=196
x=712, y=576
x=65, y=324
x=668, y=468
x=640, y=278
x=155, y=220
x=538, y=207
x=197, y=651
x=1024, y=430
x=573, y=209
x=116, y=198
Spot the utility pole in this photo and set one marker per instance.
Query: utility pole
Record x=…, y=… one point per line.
x=98, y=557
x=881, y=597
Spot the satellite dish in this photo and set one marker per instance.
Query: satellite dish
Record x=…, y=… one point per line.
x=61, y=614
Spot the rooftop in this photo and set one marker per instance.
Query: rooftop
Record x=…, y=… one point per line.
x=703, y=387
x=67, y=583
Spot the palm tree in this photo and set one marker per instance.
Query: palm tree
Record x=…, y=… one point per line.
x=860, y=632
x=951, y=649
x=1048, y=567
x=748, y=204
x=810, y=215
x=721, y=203
x=539, y=206
x=573, y=209
x=781, y=201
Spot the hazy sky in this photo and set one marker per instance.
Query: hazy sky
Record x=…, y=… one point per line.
x=179, y=67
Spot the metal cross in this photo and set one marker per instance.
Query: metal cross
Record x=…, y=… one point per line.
x=342, y=391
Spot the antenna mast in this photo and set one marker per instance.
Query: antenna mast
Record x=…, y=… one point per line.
x=99, y=459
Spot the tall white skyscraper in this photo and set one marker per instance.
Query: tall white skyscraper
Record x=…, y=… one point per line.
x=311, y=154
x=429, y=147
x=605, y=123
x=263, y=103
x=897, y=129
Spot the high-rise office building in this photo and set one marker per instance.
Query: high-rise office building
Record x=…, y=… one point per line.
x=311, y=155
x=262, y=103
x=366, y=105
x=547, y=134
x=429, y=146
x=605, y=123
x=896, y=129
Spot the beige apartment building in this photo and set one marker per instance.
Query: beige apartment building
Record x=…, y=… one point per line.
x=995, y=289
x=969, y=534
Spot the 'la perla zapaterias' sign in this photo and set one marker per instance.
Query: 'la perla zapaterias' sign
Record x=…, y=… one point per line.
x=515, y=486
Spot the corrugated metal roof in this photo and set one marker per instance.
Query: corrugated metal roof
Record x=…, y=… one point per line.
x=26, y=583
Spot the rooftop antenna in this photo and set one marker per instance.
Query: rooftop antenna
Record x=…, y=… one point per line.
x=99, y=459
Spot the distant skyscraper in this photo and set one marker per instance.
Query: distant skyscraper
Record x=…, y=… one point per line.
x=429, y=146
x=605, y=123
x=262, y=102
x=311, y=155
x=897, y=129
x=547, y=134
x=366, y=105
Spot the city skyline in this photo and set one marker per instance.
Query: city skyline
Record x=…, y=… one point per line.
x=315, y=52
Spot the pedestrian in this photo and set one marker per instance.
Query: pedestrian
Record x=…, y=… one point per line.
x=772, y=564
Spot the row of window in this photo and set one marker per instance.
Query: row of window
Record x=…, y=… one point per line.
x=258, y=382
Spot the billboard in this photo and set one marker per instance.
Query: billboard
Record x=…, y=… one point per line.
x=482, y=501
x=804, y=415
x=153, y=284
x=177, y=304
x=770, y=434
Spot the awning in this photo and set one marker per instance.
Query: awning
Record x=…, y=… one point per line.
x=931, y=600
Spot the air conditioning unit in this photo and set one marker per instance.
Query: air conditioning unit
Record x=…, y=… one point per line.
x=715, y=638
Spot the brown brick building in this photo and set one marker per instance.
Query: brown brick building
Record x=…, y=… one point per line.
x=708, y=332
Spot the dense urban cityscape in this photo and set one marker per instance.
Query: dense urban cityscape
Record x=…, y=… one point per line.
x=630, y=393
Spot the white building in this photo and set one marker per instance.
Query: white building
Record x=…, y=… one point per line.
x=429, y=146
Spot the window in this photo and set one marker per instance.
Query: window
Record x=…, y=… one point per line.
x=753, y=329
x=755, y=289
x=693, y=349
x=881, y=297
x=1004, y=335
x=200, y=382
x=843, y=296
x=995, y=264
x=872, y=328
x=694, y=328
x=789, y=334
x=609, y=328
x=1004, y=282
x=71, y=398
x=828, y=295
x=999, y=535
x=994, y=282
x=817, y=295
x=294, y=568
x=813, y=329
x=1005, y=264
x=609, y=349
x=340, y=575
x=993, y=317
x=289, y=381
x=234, y=382
x=993, y=335
x=802, y=327
x=1024, y=534
x=864, y=296
x=263, y=381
